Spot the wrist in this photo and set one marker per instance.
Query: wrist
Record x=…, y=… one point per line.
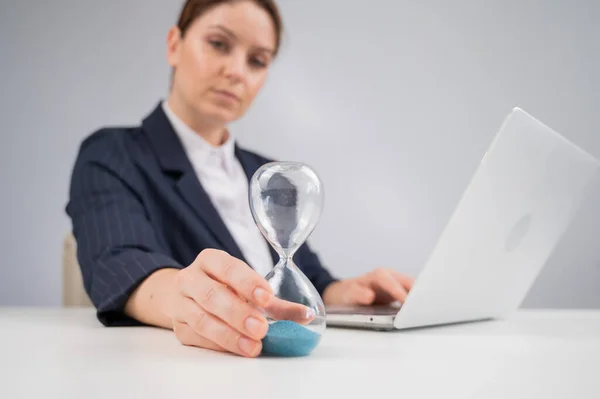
x=167, y=293
x=153, y=302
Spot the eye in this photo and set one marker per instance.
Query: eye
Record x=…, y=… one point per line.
x=219, y=45
x=257, y=62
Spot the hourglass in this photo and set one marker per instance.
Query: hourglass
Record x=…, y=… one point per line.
x=286, y=199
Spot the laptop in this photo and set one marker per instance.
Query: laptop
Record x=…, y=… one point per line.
x=525, y=192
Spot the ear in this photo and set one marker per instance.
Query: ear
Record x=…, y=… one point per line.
x=174, y=42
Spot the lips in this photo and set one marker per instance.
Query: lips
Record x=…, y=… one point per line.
x=227, y=94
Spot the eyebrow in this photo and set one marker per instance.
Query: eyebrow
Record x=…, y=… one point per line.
x=230, y=33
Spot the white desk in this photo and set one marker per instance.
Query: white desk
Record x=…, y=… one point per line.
x=57, y=353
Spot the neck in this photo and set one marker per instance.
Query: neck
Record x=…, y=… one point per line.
x=214, y=133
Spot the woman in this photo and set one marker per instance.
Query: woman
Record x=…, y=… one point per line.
x=160, y=211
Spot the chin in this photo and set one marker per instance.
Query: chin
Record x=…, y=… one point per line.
x=219, y=114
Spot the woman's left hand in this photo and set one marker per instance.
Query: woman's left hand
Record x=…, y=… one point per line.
x=380, y=286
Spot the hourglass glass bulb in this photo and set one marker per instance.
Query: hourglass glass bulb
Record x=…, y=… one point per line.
x=286, y=200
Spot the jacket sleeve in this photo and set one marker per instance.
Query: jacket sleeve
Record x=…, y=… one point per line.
x=117, y=247
x=310, y=264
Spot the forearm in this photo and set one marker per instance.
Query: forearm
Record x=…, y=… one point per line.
x=151, y=302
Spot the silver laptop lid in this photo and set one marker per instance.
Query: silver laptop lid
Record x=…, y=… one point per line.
x=524, y=194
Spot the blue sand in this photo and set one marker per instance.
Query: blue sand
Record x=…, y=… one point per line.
x=286, y=338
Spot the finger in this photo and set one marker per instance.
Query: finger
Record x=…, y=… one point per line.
x=188, y=309
x=358, y=294
x=384, y=280
x=280, y=309
x=221, y=302
x=187, y=336
x=236, y=274
x=217, y=331
x=403, y=279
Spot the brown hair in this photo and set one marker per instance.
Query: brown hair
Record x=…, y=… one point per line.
x=193, y=9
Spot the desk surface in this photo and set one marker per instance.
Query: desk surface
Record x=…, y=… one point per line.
x=63, y=353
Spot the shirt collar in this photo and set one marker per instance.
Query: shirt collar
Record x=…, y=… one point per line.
x=196, y=147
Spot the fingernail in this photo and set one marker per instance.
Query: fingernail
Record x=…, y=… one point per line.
x=254, y=326
x=248, y=346
x=262, y=296
x=310, y=313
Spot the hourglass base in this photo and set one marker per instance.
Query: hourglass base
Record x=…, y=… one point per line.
x=289, y=339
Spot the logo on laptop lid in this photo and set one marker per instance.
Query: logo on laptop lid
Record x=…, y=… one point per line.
x=518, y=233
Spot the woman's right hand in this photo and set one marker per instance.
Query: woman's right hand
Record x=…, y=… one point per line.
x=216, y=305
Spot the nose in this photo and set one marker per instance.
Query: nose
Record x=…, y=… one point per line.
x=235, y=67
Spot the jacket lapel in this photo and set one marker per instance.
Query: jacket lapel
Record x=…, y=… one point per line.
x=175, y=163
x=250, y=164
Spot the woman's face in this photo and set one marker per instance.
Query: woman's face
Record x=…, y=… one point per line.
x=221, y=63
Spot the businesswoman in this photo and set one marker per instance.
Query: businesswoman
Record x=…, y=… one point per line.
x=160, y=211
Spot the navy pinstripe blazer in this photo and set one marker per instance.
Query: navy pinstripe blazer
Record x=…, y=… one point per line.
x=136, y=206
